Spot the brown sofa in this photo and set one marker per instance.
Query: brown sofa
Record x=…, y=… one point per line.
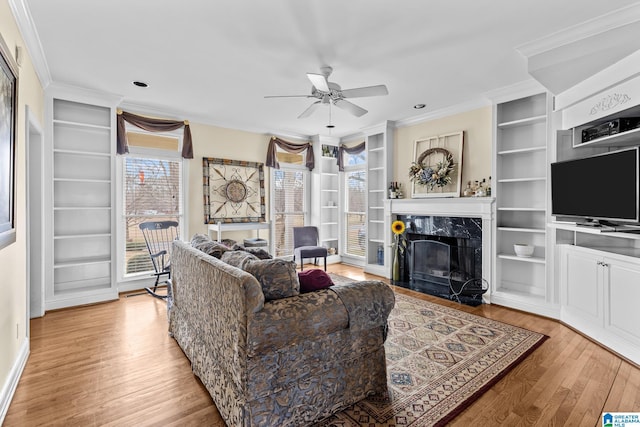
x=281, y=362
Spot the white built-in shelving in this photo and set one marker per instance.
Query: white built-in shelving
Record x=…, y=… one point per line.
x=521, y=191
x=379, y=146
x=80, y=255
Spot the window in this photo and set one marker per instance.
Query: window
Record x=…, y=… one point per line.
x=152, y=190
x=355, y=211
x=288, y=206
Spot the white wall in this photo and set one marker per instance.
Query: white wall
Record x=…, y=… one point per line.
x=13, y=258
x=476, y=155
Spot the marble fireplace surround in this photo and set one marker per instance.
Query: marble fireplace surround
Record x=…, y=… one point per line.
x=467, y=207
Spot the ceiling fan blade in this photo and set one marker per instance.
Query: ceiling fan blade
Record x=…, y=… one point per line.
x=319, y=81
x=310, y=110
x=289, y=96
x=350, y=107
x=360, y=92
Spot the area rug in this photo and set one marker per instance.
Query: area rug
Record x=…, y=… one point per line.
x=439, y=360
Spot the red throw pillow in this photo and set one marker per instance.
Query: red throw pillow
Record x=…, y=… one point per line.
x=312, y=280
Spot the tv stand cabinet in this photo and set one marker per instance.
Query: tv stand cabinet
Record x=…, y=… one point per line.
x=600, y=286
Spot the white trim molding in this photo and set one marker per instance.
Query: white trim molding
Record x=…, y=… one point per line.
x=22, y=15
x=10, y=385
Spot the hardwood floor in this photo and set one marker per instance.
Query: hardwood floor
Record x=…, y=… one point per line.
x=113, y=364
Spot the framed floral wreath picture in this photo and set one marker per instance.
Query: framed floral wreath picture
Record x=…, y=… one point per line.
x=437, y=167
x=233, y=191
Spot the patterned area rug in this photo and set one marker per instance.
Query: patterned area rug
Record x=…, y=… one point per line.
x=439, y=360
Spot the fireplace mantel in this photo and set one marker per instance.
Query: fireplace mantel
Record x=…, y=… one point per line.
x=467, y=207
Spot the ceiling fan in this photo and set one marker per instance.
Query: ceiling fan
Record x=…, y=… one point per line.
x=331, y=93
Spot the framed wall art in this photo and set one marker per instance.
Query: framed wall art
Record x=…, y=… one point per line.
x=8, y=120
x=436, y=170
x=233, y=191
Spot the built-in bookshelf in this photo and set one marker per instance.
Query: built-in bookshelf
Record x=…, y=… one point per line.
x=521, y=191
x=81, y=255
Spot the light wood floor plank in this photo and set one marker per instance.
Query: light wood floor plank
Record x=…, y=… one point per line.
x=113, y=364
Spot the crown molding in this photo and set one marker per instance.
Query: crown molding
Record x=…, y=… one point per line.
x=515, y=91
x=444, y=112
x=614, y=19
x=22, y=16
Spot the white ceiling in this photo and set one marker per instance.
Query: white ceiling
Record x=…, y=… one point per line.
x=214, y=61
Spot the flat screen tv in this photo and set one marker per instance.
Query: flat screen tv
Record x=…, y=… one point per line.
x=601, y=187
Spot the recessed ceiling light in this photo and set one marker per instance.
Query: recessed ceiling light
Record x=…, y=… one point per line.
x=139, y=84
x=419, y=106
x=330, y=126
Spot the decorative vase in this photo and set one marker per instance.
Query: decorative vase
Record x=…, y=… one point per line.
x=396, y=264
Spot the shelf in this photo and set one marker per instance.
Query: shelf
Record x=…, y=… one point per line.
x=329, y=207
x=373, y=150
x=623, y=139
x=81, y=153
x=376, y=207
x=375, y=221
x=376, y=169
x=595, y=230
x=532, y=179
x=329, y=158
x=535, y=260
x=329, y=223
x=522, y=230
x=523, y=122
x=80, y=236
x=523, y=209
x=100, y=181
x=329, y=191
x=376, y=240
x=80, y=125
x=82, y=261
x=329, y=239
x=521, y=150
x=329, y=174
x=377, y=191
x=74, y=208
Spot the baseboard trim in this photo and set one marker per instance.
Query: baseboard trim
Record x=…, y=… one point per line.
x=10, y=385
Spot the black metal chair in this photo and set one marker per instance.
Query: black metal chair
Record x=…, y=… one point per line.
x=305, y=245
x=159, y=236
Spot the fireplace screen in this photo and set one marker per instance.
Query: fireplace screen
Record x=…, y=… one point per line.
x=444, y=267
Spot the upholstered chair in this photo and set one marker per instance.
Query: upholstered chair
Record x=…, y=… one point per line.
x=305, y=245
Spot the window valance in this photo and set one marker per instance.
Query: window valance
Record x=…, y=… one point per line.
x=356, y=149
x=289, y=147
x=151, y=125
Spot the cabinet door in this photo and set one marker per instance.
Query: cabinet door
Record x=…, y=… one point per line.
x=581, y=288
x=622, y=313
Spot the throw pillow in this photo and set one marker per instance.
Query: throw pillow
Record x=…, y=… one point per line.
x=208, y=246
x=238, y=258
x=313, y=280
x=277, y=277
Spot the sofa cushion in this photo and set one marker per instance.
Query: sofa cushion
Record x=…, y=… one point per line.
x=277, y=277
x=208, y=246
x=313, y=280
x=259, y=252
x=238, y=258
x=290, y=321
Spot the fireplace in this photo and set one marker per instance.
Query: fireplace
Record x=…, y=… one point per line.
x=443, y=257
x=449, y=245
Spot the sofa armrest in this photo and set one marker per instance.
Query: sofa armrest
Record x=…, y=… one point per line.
x=368, y=303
